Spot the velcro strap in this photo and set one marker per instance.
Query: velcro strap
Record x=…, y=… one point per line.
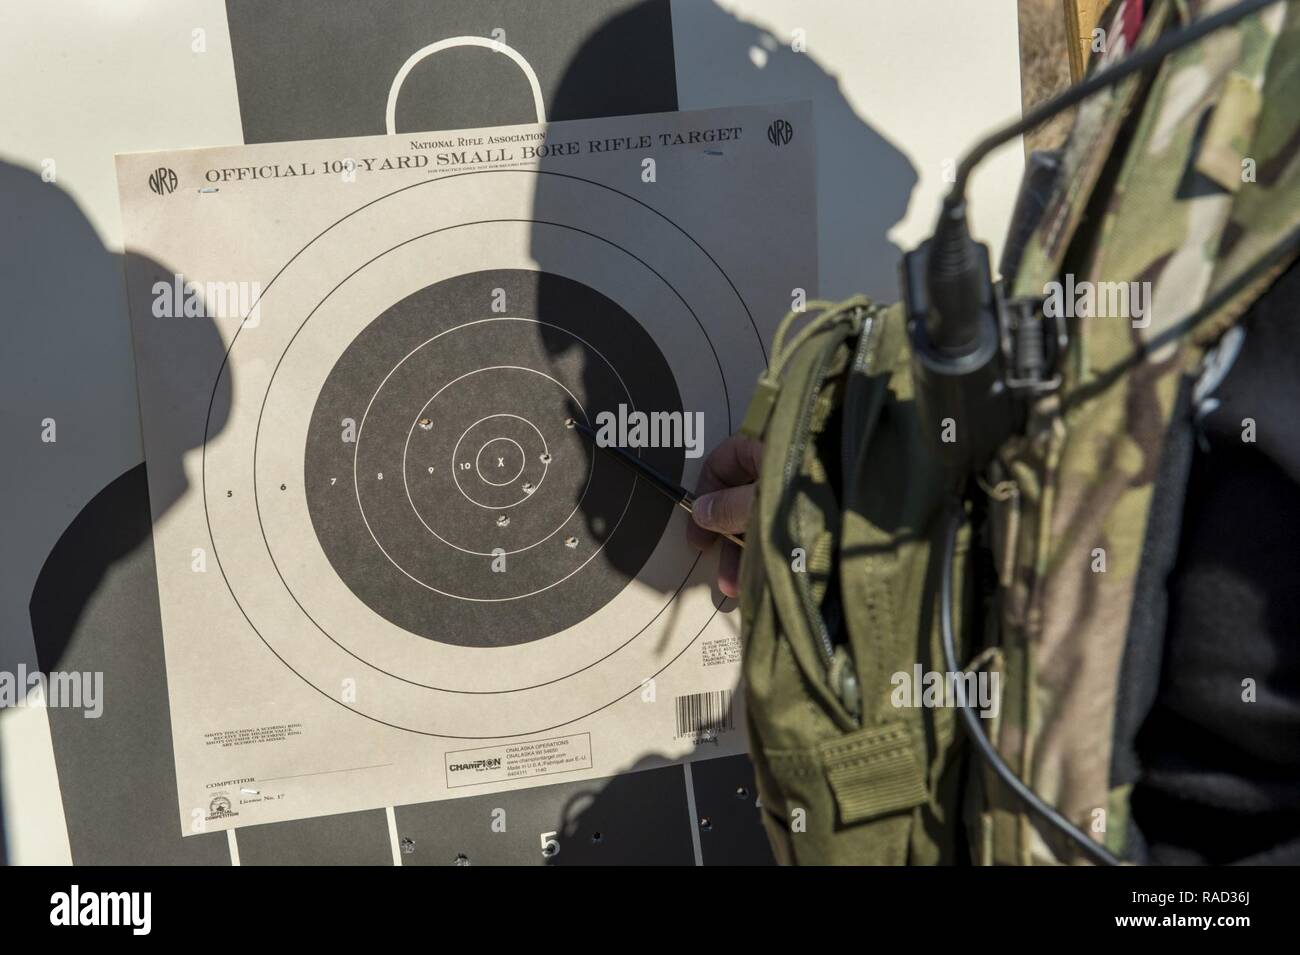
x=874, y=771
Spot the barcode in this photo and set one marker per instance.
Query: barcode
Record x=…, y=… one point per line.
x=705, y=714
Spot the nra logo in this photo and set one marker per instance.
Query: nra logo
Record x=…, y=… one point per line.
x=780, y=132
x=162, y=181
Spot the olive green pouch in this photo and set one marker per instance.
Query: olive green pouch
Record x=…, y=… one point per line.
x=836, y=606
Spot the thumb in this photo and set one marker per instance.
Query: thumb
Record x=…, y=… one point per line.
x=725, y=511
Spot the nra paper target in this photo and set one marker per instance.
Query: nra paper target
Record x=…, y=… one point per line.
x=390, y=571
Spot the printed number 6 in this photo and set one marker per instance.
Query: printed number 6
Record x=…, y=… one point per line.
x=550, y=847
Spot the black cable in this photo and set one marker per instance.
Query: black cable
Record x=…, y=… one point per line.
x=1094, y=850
x=1136, y=63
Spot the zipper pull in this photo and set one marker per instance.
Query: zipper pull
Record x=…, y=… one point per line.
x=844, y=682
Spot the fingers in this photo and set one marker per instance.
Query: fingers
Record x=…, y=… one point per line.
x=729, y=569
x=697, y=536
x=725, y=511
x=724, y=496
x=733, y=462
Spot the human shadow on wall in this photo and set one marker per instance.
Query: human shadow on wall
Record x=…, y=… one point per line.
x=114, y=524
x=863, y=186
x=93, y=605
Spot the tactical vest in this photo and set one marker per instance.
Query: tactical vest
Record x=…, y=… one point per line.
x=1188, y=179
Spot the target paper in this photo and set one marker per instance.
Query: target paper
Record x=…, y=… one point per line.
x=395, y=574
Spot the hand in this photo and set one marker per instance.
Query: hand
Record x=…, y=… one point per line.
x=724, y=494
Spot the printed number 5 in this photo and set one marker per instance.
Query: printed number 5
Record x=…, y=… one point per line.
x=550, y=847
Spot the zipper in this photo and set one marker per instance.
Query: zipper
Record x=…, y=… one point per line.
x=814, y=618
x=852, y=437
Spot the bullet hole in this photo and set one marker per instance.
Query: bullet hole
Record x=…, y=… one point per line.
x=706, y=824
x=546, y=457
x=742, y=792
x=408, y=845
x=503, y=521
x=597, y=838
x=569, y=422
x=426, y=424
x=461, y=859
x=570, y=541
x=550, y=849
x=528, y=487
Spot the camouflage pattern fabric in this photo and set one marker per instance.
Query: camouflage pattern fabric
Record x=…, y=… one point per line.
x=1201, y=201
x=1205, y=208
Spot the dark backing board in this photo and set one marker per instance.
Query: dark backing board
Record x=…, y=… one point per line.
x=314, y=69
x=349, y=838
x=639, y=818
x=731, y=832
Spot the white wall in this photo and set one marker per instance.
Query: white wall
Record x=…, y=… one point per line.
x=898, y=89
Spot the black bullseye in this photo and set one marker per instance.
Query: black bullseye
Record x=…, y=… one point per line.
x=465, y=511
